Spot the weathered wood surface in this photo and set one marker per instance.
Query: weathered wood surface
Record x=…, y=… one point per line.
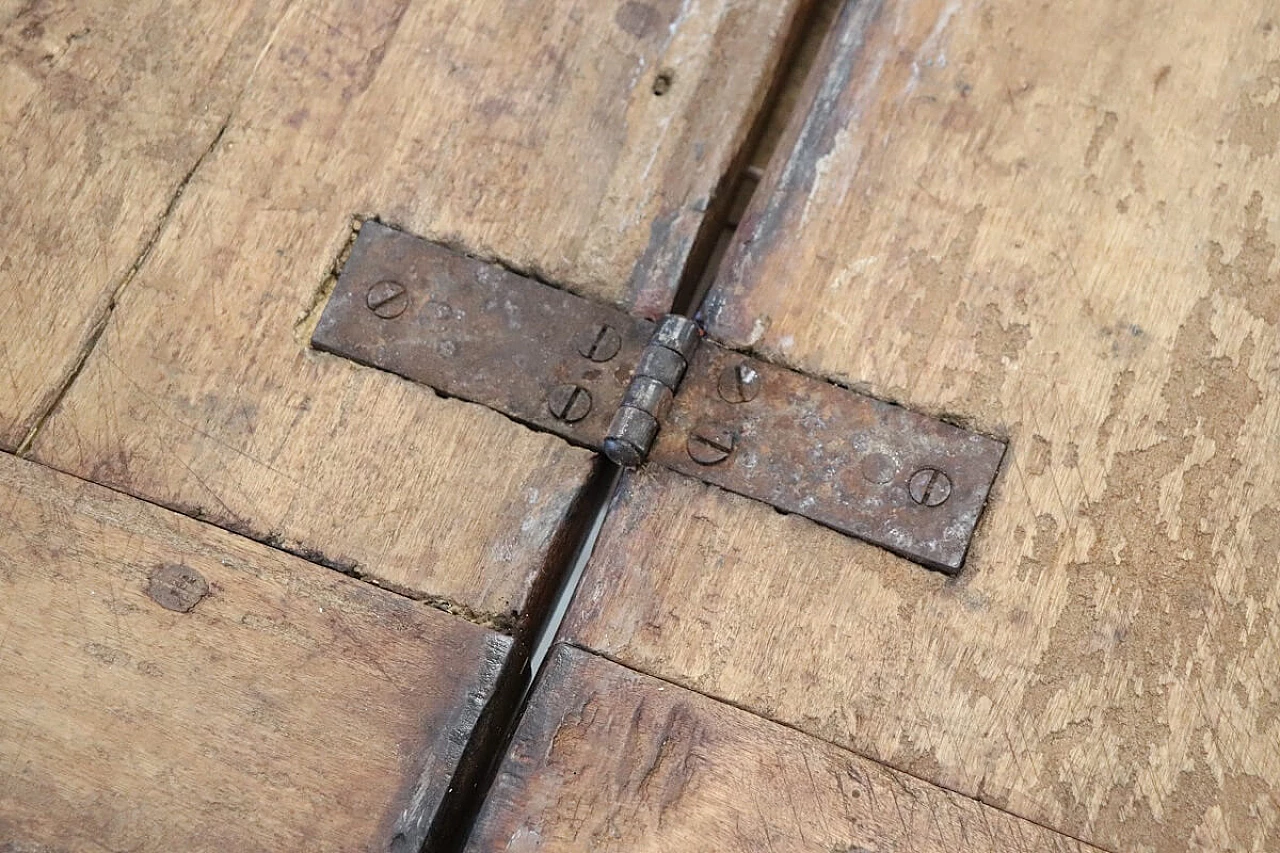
x=607, y=759
x=528, y=132
x=1052, y=223
x=792, y=95
x=106, y=108
x=264, y=703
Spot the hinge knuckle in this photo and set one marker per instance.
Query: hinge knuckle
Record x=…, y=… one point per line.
x=662, y=365
x=678, y=334
x=649, y=395
x=631, y=435
x=657, y=377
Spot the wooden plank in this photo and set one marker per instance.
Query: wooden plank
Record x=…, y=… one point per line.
x=607, y=759
x=792, y=95
x=1051, y=223
x=263, y=704
x=107, y=107
x=525, y=131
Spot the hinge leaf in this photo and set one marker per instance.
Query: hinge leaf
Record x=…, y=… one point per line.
x=602, y=379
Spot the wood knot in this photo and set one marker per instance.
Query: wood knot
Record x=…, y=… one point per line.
x=177, y=588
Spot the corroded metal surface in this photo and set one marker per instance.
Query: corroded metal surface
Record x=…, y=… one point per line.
x=474, y=330
x=907, y=482
x=470, y=329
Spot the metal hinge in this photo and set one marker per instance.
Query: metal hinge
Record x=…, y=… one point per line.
x=660, y=394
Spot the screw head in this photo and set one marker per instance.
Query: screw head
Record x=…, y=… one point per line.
x=929, y=487
x=739, y=383
x=387, y=299
x=600, y=343
x=709, y=444
x=569, y=403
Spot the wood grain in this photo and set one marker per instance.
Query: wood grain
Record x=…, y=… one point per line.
x=107, y=107
x=1051, y=223
x=265, y=704
x=552, y=152
x=524, y=131
x=607, y=759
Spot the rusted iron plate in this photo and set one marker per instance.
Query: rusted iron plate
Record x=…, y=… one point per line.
x=556, y=361
x=474, y=330
x=898, y=479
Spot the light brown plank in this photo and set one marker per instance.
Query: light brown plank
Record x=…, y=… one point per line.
x=1052, y=223
x=287, y=708
x=524, y=131
x=106, y=108
x=607, y=759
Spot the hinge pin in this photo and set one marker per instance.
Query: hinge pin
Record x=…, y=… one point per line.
x=656, y=379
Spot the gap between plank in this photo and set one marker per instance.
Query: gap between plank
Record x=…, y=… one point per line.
x=724, y=214
x=808, y=28
x=23, y=450
x=100, y=327
x=545, y=634
x=534, y=639
x=877, y=761
x=491, y=740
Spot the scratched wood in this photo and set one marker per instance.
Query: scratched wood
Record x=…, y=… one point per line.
x=607, y=759
x=106, y=108
x=1051, y=223
x=525, y=132
x=264, y=703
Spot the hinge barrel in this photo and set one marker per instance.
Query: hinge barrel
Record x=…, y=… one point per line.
x=657, y=378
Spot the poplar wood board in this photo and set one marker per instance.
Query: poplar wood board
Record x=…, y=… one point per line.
x=1051, y=223
x=288, y=708
x=607, y=759
x=526, y=132
x=107, y=107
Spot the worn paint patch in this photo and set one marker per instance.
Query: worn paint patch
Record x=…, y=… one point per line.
x=1257, y=120
x=1162, y=511
x=1248, y=275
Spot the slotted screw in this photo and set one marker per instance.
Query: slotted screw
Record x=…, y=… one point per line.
x=739, y=383
x=709, y=444
x=600, y=344
x=387, y=299
x=569, y=403
x=929, y=487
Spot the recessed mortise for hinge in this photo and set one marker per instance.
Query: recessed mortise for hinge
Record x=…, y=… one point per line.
x=660, y=394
